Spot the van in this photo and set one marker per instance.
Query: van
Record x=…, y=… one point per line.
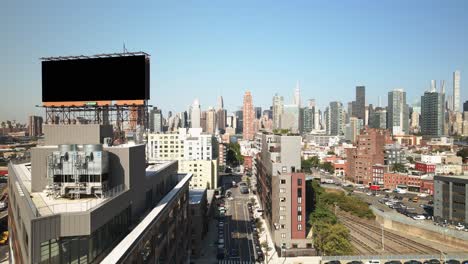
x=373, y=261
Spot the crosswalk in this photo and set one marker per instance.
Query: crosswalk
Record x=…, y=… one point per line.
x=231, y=261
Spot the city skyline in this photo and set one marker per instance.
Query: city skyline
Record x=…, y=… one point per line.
x=392, y=46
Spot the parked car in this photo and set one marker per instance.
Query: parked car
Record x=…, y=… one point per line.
x=393, y=262
x=355, y=262
x=333, y=262
x=373, y=261
x=432, y=261
x=452, y=261
x=459, y=227
x=423, y=195
x=413, y=262
x=419, y=217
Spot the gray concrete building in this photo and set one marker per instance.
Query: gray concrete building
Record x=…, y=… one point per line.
x=336, y=119
x=451, y=199
x=360, y=111
x=156, y=120
x=308, y=115
x=432, y=114
x=77, y=200
x=397, y=112
x=378, y=118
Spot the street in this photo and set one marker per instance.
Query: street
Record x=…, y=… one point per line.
x=237, y=227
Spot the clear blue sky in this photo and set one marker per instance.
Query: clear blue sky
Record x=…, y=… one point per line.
x=208, y=48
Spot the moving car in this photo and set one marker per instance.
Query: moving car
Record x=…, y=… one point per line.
x=419, y=217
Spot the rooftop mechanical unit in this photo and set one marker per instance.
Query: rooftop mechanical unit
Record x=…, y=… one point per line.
x=76, y=170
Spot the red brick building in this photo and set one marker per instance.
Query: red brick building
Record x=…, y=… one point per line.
x=368, y=152
x=425, y=167
x=247, y=163
x=378, y=171
x=415, y=183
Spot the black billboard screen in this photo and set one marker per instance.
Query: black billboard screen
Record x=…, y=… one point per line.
x=96, y=79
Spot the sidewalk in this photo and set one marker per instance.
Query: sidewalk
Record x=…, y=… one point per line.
x=271, y=256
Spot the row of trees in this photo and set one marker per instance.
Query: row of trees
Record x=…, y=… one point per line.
x=314, y=162
x=330, y=236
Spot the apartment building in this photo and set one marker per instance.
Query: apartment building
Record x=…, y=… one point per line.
x=451, y=198
x=282, y=191
x=196, y=152
x=369, y=151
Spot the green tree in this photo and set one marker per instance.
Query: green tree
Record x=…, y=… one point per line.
x=306, y=165
x=410, y=159
x=463, y=153
x=331, y=152
x=338, y=241
x=328, y=166
x=398, y=167
x=233, y=155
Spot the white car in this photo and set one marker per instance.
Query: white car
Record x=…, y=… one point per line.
x=388, y=191
x=230, y=198
x=460, y=227
x=419, y=217
x=423, y=194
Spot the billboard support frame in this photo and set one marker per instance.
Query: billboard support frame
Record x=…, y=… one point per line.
x=123, y=117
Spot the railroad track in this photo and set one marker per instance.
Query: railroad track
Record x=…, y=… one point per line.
x=356, y=228
x=403, y=241
x=366, y=248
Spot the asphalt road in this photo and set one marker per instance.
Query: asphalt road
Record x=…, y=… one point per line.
x=238, y=231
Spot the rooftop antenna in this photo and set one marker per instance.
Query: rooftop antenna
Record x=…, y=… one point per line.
x=124, y=49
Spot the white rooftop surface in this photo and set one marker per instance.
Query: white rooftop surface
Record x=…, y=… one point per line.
x=48, y=205
x=157, y=166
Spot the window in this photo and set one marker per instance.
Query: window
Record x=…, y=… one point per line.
x=284, y=169
x=282, y=217
x=283, y=226
x=299, y=218
x=299, y=182
x=282, y=208
x=299, y=192
x=299, y=227
x=294, y=245
x=283, y=181
x=283, y=235
x=299, y=208
x=282, y=199
x=282, y=190
x=299, y=200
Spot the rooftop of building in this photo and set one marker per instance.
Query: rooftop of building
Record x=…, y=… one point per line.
x=196, y=195
x=456, y=177
x=43, y=203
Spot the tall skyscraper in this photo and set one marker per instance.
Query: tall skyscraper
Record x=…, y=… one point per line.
x=258, y=112
x=456, y=91
x=308, y=115
x=290, y=118
x=336, y=119
x=465, y=106
x=211, y=124
x=297, y=95
x=156, y=120
x=278, y=104
x=311, y=103
x=433, y=85
x=248, y=117
x=195, y=114
x=360, y=111
x=398, y=115
x=378, y=118
x=35, y=126
x=442, y=86
x=432, y=114
x=220, y=102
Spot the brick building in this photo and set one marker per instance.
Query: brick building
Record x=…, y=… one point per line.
x=369, y=151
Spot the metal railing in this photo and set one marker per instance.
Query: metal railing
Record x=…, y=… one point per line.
x=443, y=256
x=81, y=206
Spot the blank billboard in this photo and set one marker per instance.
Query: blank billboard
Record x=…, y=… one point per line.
x=96, y=79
